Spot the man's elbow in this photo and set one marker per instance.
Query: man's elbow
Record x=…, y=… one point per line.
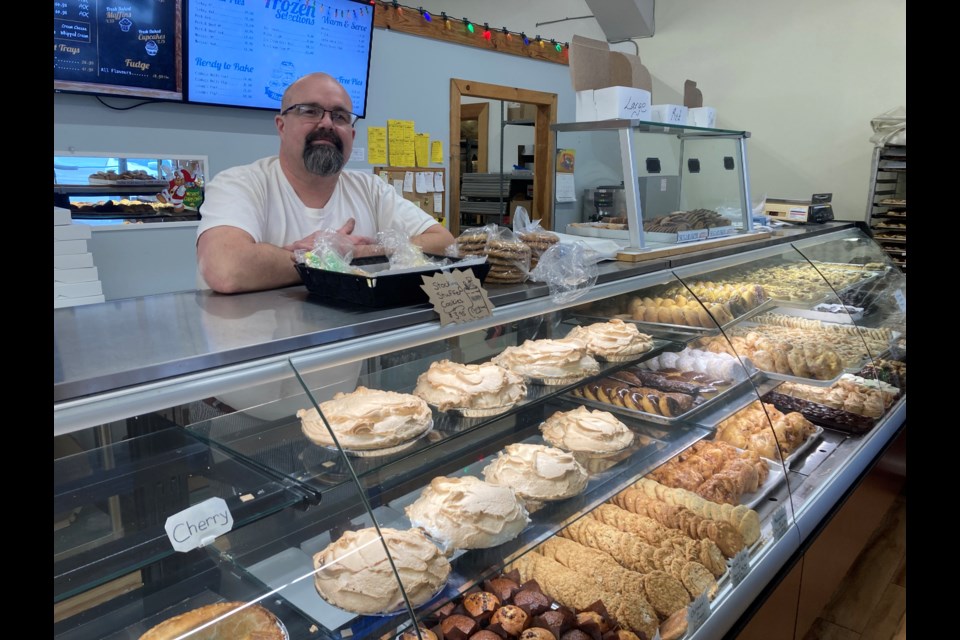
x=221, y=280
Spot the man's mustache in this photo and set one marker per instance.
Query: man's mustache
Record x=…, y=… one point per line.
x=329, y=136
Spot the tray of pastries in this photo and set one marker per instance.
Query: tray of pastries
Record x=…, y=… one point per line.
x=678, y=312
x=719, y=472
x=773, y=434
x=800, y=282
x=667, y=395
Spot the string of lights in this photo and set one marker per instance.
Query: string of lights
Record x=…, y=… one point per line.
x=472, y=27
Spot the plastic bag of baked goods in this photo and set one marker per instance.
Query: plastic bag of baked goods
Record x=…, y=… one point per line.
x=569, y=270
x=331, y=252
x=533, y=235
x=403, y=254
x=509, y=258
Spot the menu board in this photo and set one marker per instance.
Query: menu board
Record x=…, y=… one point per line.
x=246, y=52
x=127, y=47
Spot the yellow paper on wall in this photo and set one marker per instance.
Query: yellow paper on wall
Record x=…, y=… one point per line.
x=400, y=143
x=422, y=146
x=377, y=145
x=436, y=152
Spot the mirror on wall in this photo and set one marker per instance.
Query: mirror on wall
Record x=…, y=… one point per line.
x=527, y=152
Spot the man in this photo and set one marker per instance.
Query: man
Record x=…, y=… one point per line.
x=255, y=216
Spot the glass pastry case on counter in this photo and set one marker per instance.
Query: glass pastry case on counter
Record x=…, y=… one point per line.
x=641, y=460
x=98, y=186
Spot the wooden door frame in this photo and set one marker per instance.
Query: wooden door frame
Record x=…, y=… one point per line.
x=544, y=147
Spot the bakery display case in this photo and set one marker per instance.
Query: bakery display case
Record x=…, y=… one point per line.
x=123, y=186
x=682, y=186
x=640, y=460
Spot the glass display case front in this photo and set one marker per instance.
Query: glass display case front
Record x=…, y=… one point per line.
x=639, y=459
x=677, y=184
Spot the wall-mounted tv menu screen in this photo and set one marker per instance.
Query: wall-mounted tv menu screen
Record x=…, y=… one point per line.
x=239, y=53
x=127, y=48
x=246, y=52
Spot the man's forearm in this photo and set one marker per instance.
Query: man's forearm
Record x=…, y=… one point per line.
x=252, y=267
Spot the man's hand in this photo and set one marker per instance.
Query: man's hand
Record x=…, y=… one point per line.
x=344, y=234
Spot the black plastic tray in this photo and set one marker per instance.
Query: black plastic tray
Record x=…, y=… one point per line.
x=387, y=290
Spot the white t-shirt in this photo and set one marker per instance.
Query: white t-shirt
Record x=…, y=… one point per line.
x=258, y=199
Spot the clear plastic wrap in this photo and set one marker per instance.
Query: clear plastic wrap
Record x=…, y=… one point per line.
x=403, y=254
x=533, y=235
x=331, y=252
x=569, y=270
x=509, y=258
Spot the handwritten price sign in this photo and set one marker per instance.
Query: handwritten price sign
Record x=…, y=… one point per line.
x=457, y=296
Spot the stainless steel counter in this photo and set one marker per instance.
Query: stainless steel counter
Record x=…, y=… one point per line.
x=124, y=343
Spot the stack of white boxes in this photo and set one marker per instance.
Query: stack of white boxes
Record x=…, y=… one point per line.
x=75, y=279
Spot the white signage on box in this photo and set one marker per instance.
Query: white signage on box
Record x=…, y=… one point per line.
x=627, y=103
x=668, y=113
x=691, y=235
x=705, y=117
x=739, y=566
x=720, y=232
x=797, y=213
x=199, y=525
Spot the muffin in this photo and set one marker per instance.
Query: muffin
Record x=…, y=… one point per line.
x=367, y=420
x=472, y=390
x=355, y=575
x=468, y=513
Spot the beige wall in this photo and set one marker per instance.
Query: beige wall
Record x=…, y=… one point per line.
x=804, y=78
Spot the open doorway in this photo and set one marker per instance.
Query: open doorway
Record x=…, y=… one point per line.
x=546, y=114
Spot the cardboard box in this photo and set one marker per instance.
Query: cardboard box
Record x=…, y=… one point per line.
x=521, y=111
x=609, y=85
x=71, y=232
x=59, y=303
x=697, y=114
x=68, y=276
x=74, y=261
x=61, y=216
x=526, y=204
x=669, y=113
x=628, y=103
x=69, y=247
x=77, y=289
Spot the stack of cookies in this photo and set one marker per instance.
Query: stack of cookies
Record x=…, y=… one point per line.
x=538, y=241
x=509, y=258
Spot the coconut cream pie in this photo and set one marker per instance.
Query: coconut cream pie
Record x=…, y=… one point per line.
x=472, y=389
x=549, y=361
x=354, y=573
x=613, y=341
x=584, y=431
x=468, y=513
x=537, y=473
x=367, y=419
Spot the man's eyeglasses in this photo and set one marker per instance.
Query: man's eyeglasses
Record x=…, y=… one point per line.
x=314, y=113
